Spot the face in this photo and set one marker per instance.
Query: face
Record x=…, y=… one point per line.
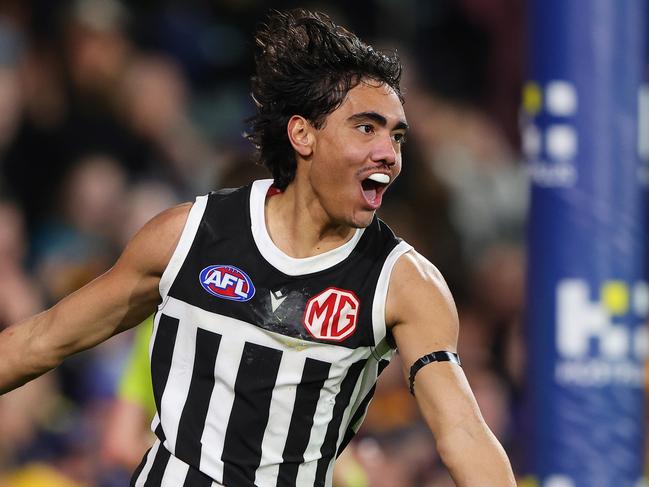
x=357, y=154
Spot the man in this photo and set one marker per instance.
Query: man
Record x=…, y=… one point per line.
x=278, y=304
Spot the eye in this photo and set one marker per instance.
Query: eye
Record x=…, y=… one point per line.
x=399, y=138
x=365, y=128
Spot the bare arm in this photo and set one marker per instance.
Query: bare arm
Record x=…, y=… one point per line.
x=115, y=301
x=422, y=314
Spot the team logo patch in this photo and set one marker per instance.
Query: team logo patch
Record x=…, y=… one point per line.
x=332, y=314
x=227, y=282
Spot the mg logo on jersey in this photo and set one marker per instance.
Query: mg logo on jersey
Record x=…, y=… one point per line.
x=332, y=314
x=227, y=282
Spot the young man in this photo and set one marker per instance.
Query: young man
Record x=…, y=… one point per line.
x=278, y=304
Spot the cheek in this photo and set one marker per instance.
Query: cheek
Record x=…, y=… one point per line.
x=348, y=148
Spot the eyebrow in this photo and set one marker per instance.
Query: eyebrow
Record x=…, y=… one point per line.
x=378, y=118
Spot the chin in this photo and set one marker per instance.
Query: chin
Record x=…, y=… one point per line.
x=362, y=221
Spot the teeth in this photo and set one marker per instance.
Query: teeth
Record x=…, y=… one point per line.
x=380, y=178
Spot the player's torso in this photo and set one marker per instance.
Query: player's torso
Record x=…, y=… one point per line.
x=263, y=364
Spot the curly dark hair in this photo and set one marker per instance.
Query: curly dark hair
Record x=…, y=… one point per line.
x=306, y=65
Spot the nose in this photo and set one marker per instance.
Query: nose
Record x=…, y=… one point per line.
x=384, y=151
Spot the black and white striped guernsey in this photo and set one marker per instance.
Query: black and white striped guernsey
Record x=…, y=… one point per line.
x=263, y=365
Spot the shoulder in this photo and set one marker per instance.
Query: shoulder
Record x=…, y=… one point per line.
x=152, y=246
x=164, y=229
x=419, y=299
x=412, y=266
x=170, y=221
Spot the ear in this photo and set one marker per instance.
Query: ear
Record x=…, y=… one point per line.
x=300, y=134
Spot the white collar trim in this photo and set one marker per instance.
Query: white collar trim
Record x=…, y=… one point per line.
x=277, y=258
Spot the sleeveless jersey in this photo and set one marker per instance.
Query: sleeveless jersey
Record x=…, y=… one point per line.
x=263, y=365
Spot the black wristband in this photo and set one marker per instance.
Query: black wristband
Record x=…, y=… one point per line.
x=440, y=356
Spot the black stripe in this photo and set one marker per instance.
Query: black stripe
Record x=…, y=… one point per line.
x=139, y=468
x=161, y=356
x=192, y=420
x=154, y=479
x=160, y=433
x=196, y=478
x=359, y=414
x=306, y=400
x=328, y=449
x=253, y=390
x=383, y=364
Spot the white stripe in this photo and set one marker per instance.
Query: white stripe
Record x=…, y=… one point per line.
x=330, y=473
x=156, y=323
x=226, y=368
x=223, y=325
x=175, y=473
x=279, y=419
x=323, y=413
x=180, y=376
x=184, y=244
x=381, y=292
x=368, y=374
x=154, y=331
x=368, y=379
x=216, y=422
x=144, y=474
x=322, y=417
x=276, y=257
x=155, y=422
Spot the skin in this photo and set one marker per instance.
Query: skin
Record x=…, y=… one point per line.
x=324, y=205
x=318, y=211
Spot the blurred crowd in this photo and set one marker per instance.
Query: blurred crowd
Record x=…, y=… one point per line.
x=112, y=111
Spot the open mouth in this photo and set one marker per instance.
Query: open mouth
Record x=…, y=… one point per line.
x=373, y=188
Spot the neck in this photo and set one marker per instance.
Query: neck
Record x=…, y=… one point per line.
x=299, y=226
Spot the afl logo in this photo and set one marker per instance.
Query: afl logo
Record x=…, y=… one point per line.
x=332, y=314
x=227, y=282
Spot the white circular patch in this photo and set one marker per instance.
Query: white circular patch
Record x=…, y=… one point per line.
x=561, y=98
x=561, y=142
x=641, y=343
x=641, y=299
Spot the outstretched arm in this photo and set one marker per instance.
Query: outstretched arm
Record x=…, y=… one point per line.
x=423, y=318
x=115, y=301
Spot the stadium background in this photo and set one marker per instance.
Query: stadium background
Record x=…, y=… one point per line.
x=111, y=112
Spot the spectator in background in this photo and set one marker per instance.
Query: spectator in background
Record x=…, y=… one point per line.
x=19, y=295
x=67, y=84
x=11, y=94
x=154, y=102
x=82, y=240
x=28, y=414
